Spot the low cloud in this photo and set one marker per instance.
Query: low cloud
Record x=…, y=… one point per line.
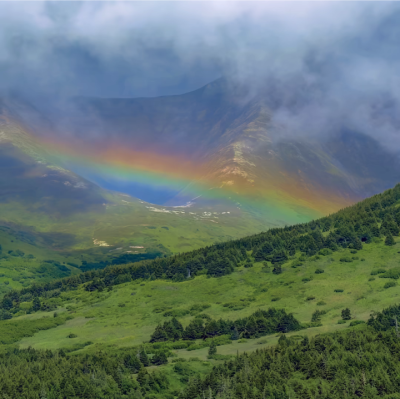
x=320, y=66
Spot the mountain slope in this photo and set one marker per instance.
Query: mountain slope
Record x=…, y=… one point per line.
x=47, y=208
x=240, y=151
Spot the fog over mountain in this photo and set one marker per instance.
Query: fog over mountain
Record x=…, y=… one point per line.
x=321, y=66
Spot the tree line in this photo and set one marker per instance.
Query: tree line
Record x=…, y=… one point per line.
x=351, y=227
x=261, y=322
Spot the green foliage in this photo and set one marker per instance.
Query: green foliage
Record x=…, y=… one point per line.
x=316, y=316
x=212, y=350
x=259, y=323
x=319, y=271
x=338, y=290
x=390, y=284
x=325, y=365
x=389, y=240
x=377, y=271
x=391, y=273
x=346, y=315
x=356, y=323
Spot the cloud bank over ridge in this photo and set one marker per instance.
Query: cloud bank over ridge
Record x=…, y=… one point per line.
x=321, y=67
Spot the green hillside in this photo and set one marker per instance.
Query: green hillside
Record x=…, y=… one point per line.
x=225, y=293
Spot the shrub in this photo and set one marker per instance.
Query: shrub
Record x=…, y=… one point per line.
x=391, y=273
x=296, y=263
x=389, y=284
x=310, y=298
x=321, y=303
x=316, y=316
x=325, y=252
x=319, y=271
x=121, y=305
x=338, y=290
x=346, y=259
x=194, y=359
x=356, y=322
x=275, y=299
x=353, y=251
x=377, y=271
x=342, y=321
x=72, y=335
x=179, y=359
x=371, y=279
x=346, y=315
x=305, y=279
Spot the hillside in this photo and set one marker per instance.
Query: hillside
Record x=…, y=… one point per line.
x=233, y=138
x=48, y=212
x=313, y=271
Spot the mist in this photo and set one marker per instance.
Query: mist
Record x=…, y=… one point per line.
x=320, y=67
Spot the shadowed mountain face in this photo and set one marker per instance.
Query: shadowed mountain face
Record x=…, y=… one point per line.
x=232, y=137
x=218, y=138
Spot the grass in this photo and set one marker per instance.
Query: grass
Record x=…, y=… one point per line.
x=100, y=318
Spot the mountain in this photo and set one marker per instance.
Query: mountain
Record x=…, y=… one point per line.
x=214, y=160
x=239, y=148
x=49, y=212
x=157, y=327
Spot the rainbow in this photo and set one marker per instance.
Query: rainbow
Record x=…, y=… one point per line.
x=287, y=202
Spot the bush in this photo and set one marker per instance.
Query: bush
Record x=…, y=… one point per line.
x=275, y=299
x=310, y=298
x=319, y=271
x=391, y=273
x=194, y=359
x=342, y=321
x=338, y=290
x=377, y=271
x=178, y=359
x=356, y=322
x=321, y=303
x=389, y=284
x=346, y=315
x=346, y=259
x=316, y=316
x=72, y=335
x=306, y=279
x=371, y=279
x=296, y=263
x=325, y=252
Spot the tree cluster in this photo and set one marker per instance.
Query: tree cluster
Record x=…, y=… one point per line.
x=261, y=322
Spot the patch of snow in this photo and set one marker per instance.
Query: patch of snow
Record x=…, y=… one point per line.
x=100, y=243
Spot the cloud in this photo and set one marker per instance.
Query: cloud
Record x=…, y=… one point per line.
x=320, y=66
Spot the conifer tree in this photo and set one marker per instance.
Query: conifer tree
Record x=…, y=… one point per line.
x=144, y=359
x=213, y=349
x=346, y=315
x=389, y=240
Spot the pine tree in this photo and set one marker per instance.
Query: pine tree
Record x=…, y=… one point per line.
x=235, y=334
x=389, y=240
x=346, y=315
x=143, y=357
x=213, y=349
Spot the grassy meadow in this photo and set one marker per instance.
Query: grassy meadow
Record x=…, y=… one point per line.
x=128, y=314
